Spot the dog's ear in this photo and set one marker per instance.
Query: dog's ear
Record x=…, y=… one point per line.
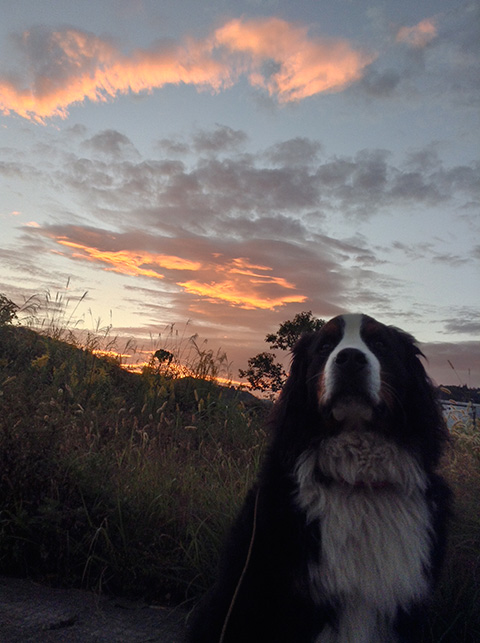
x=424, y=416
x=295, y=390
x=292, y=414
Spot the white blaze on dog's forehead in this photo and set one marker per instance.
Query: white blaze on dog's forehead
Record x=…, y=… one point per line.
x=352, y=338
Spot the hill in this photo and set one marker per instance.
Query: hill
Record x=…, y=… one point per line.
x=114, y=479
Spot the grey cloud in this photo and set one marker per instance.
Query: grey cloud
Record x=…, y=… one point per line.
x=172, y=146
x=296, y=151
x=466, y=321
x=240, y=184
x=18, y=169
x=427, y=250
x=221, y=139
x=416, y=187
x=264, y=227
x=206, y=193
x=380, y=84
x=111, y=143
x=223, y=192
x=451, y=259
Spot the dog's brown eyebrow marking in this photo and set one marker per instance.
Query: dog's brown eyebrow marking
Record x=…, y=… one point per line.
x=371, y=326
x=332, y=328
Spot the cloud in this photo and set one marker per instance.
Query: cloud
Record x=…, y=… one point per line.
x=221, y=139
x=465, y=322
x=294, y=152
x=216, y=277
x=67, y=66
x=111, y=143
x=299, y=66
x=240, y=283
x=130, y=262
x=226, y=236
x=381, y=83
x=419, y=35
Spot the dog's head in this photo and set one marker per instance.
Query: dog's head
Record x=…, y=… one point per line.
x=356, y=374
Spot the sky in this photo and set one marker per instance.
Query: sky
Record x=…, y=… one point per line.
x=223, y=165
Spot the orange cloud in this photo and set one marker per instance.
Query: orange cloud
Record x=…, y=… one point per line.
x=306, y=66
x=419, y=35
x=245, y=285
x=129, y=262
x=237, y=282
x=71, y=66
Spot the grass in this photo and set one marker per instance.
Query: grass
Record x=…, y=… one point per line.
x=127, y=482
x=119, y=481
x=456, y=614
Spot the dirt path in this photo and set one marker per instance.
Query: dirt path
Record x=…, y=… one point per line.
x=30, y=612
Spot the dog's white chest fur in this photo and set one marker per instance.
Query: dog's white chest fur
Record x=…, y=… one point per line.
x=375, y=533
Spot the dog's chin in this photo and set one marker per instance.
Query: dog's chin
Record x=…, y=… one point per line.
x=351, y=411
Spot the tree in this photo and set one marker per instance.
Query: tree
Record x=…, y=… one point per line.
x=8, y=310
x=288, y=332
x=263, y=372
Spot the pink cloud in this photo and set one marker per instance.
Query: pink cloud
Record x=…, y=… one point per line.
x=305, y=66
x=69, y=66
x=419, y=35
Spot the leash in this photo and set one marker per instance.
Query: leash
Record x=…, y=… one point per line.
x=244, y=570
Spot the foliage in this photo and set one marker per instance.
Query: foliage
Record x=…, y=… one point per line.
x=117, y=480
x=263, y=372
x=459, y=394
x=8, y=310
x=289, y=331
x=455, y=615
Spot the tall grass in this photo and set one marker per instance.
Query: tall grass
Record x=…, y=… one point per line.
x=114, y=480
x=456, y=613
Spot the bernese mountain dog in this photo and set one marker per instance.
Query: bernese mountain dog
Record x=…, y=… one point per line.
x=342, y=537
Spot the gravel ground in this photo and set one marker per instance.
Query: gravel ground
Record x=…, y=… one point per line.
x=30, y=612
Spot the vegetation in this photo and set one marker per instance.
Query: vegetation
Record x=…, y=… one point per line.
x=263, y=372
x=127, y=482
x=114, y=480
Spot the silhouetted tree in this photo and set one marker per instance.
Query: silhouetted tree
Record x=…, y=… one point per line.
x=8, y=310
x=263, y=372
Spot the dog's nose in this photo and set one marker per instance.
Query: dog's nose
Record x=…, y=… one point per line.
x=351, y=360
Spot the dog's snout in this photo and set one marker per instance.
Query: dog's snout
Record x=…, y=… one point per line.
x=351, y=360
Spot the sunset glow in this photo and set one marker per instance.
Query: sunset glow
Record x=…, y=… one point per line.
x=84, y=66
x=238, y=294
x=129, y=262
x=307, y=66
x=237, y=282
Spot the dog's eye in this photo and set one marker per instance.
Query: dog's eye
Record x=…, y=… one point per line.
x=326, y=347
x=379, y=345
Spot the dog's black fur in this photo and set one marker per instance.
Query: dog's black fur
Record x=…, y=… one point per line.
x=277, y=600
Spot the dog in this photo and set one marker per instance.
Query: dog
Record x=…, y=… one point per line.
x=341, y=539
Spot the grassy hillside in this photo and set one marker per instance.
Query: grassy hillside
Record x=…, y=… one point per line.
x=127, y=482
x=114, y=480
